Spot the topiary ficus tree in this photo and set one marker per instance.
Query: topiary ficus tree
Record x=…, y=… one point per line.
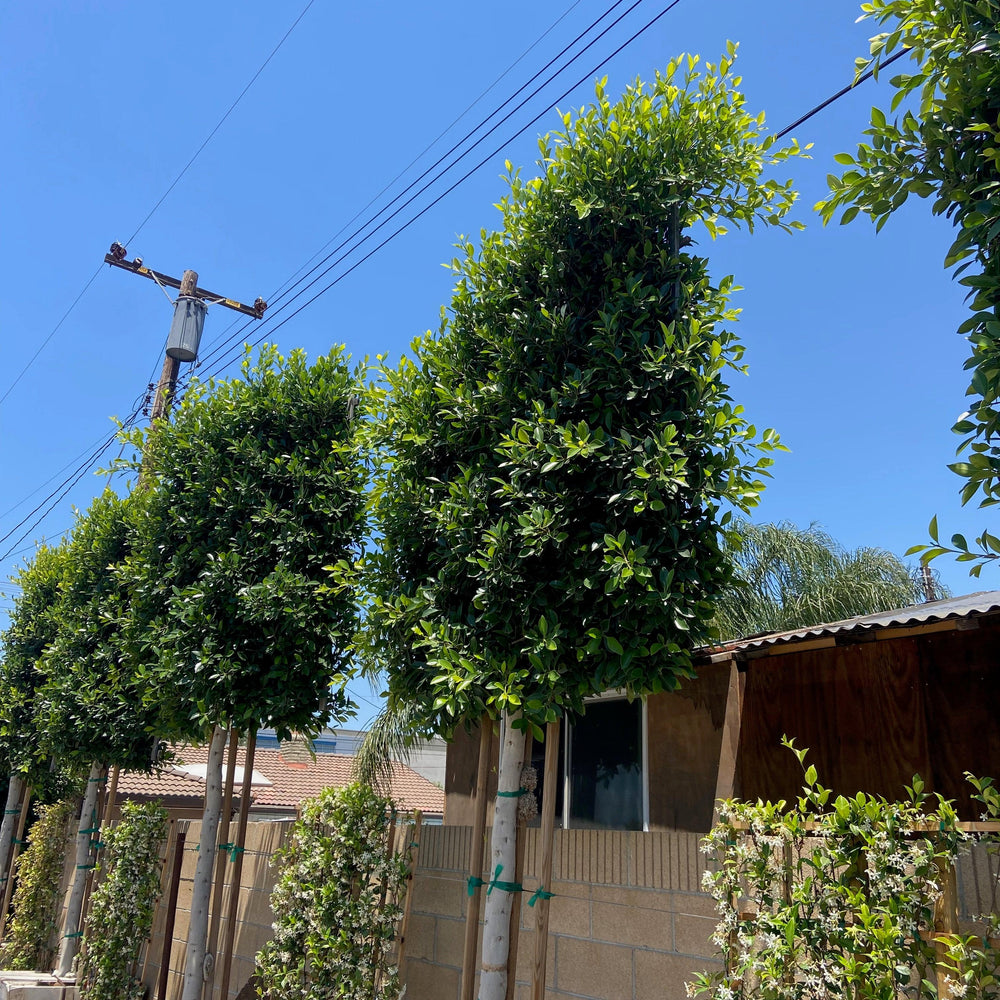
x=91, y=703
x=32, y=627
x=250, y=494
x=556, y=457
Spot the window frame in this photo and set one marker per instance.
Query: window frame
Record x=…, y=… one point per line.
x=567, y=737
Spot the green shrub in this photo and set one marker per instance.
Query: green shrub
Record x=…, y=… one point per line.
x=828, y=897
x=335, y=904
x=28, y=943
x=121, y=916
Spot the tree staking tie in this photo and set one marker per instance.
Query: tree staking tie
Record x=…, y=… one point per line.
x=540, y=893
x=12, y=812
x=75, y=934
x=512, y=795
x=474, y=883
x=495, y=883
x=234, y=850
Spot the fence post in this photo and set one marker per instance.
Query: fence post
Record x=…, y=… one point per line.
x=945, y=921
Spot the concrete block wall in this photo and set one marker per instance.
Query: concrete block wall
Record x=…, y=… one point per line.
x=628, y=919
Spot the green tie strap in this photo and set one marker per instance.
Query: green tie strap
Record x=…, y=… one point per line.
x=234, y=850
x=12, y=812
x=495, y=883
x=512, y=795
x=474, y=883
x=540, y=893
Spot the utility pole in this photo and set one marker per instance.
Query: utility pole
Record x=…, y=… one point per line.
x=188, y=322
x=182, y=345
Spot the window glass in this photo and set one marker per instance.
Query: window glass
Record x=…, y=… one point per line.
x=605, y=762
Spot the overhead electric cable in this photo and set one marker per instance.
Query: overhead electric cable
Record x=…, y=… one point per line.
x=279, y=291
x=52, y=333
x=162, y=198
x=840, y=93
x=469, y=150
x=62, y=490
x=223, y=348
x=781, y=134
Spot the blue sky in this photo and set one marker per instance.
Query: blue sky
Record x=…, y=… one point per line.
x=850, y=336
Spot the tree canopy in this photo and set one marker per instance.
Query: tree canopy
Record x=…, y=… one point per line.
x=33, y=626
x=556, y=455
x=253, y=515
x=92, y=705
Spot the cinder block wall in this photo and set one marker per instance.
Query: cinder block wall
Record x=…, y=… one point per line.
x=253, y=921
x=628, y=919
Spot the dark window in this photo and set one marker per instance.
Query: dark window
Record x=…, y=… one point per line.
x=605, y=762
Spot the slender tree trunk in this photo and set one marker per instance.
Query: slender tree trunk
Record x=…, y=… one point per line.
x=74, y=908
x=11, y=810
x=503, y=849
x=201, y=891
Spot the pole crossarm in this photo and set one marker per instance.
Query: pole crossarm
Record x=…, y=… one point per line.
x=117, y=258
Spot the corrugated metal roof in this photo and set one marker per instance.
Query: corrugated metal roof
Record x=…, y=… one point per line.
x=981, y=603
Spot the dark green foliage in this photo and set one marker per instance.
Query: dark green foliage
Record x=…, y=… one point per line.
x=556, y=456
x=336, y=903
x=91, y=705
x=32, y=627
x=947, y=147
x=28, y=942
x=253, y=490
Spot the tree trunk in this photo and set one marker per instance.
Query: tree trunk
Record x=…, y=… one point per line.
x=201, y=891
x=11, y=811
x=503, y=848
x=74, y=908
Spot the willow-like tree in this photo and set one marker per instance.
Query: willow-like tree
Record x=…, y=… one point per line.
x=92, y=708
x=556, y=456
x=250, y=495
x=941, y=140
x=789, y=577
x=32, y=627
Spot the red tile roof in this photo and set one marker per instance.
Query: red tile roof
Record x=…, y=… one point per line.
x=291, y=781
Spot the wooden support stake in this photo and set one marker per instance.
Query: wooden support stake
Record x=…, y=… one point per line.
x=414, y=851
x=945, y=922
x=8, y=890
x=549, y=782
x=476, y=861
x=158, y=908
x=221, y=858
x=390, y=850
x=240, y=843
x=514, y=927
x=729, y=752
x=171, y=913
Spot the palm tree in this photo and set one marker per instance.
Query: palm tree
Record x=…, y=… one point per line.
x=788, y=577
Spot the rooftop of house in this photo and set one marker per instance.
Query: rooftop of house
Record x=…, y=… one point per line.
x=294, y=775
x=952, y=612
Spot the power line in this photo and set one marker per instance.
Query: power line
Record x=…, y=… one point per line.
x=221, y=122
x=222, y=349
x=448, y=191
x=52, y=333
x=781, y=134
x=465, y=153
x=162, y=198
x=840, y=93
x=60, y=492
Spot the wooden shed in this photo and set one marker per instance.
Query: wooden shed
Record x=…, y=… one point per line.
x=876, y=699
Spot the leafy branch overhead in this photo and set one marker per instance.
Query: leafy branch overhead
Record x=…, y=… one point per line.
x=556, y=455
x=944, y=143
